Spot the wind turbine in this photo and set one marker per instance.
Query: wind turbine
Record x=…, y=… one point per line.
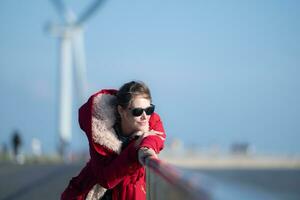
x=72, y=59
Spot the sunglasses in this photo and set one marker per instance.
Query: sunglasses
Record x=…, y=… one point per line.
x=136, y=112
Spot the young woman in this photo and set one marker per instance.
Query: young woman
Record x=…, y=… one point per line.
x=122, y=129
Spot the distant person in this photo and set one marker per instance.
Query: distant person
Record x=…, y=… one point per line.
x=16, y=143
x=122, y=129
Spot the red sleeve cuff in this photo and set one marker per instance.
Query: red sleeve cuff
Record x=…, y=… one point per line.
x=153, y=142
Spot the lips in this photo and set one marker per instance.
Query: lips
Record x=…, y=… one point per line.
x=142, y=123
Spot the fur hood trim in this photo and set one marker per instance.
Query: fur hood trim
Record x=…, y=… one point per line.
x=103, y=119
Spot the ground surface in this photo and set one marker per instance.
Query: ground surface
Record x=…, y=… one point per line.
x=35, y=181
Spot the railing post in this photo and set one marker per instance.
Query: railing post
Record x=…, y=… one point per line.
x=149, y=189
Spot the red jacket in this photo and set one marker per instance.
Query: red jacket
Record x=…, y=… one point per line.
x=109, y=167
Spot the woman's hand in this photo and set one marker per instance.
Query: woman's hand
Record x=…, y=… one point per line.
x=143, y=134
x=145, y=152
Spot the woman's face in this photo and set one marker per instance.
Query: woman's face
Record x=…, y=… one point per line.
x=130, y=123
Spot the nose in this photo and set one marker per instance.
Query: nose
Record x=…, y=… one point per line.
x=144, y=116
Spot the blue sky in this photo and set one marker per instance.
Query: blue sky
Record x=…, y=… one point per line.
x=220, y=71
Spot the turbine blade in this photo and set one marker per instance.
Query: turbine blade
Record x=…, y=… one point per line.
x=59, y=7
x=65, y=13
x=89, y=12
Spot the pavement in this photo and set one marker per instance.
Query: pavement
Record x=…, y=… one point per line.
x=35, y=181
x=47, y=181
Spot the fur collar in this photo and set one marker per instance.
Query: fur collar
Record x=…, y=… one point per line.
x=103, y=120
x=103, y=133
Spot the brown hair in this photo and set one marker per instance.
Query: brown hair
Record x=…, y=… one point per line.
x=130, y=90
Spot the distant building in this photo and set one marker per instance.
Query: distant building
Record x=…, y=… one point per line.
x=240, y=148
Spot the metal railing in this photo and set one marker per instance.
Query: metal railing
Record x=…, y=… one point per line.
x=165, y=182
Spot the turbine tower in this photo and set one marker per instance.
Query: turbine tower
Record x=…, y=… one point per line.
x=71, y=60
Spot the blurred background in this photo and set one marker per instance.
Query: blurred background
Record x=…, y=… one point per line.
x=224, y=75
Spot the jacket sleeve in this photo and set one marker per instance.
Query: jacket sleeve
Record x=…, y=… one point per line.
x=155, y=142
x=111, y=171
x=105, y=171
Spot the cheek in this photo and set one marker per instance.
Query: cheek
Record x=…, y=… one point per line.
x=131, y=121
x=135, y=121
x=138, y=121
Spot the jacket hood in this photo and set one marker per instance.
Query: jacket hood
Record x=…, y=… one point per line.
x=97, y=118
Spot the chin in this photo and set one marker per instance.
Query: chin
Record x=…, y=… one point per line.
x=143, y=128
